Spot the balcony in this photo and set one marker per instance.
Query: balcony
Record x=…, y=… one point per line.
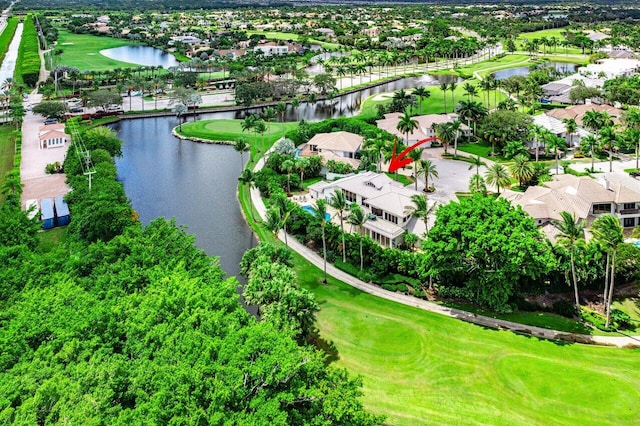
x=629, y=211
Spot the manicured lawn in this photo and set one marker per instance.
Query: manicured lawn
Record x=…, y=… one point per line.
x=83, y=51
x=231, y=130
x=423, y=368
x=552, y=32
x=51, y=238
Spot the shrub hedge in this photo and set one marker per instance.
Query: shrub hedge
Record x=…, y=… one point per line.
x=28, y=64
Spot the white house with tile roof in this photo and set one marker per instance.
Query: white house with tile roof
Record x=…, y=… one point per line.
x=384, y=199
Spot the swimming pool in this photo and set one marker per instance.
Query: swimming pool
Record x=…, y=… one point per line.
x=310, y=209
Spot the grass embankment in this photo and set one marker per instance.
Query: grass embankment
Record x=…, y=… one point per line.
x=82, y=51
x=7, y=36
x=7, y=151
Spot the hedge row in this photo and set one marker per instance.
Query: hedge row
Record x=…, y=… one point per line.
x=28, y=64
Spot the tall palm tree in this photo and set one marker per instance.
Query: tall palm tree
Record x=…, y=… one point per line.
x=285, y=207
x=321, y=211
x=339, y=202
x=498, y=176
x=241, y=146
x=571, y=231
x=476, y=162
x=455, y=128
x=522, y=169
x=415, y=155
x=420, y=210
x=301, y=163
x=378, y=148
x=288, y=165
x=571, y=127
x=421, y=93
x=557, y=145
x=444, y=87
x=609, y=140
x=407, y=124
x=273, y=221
x=590, y=142
x=608, y=231
x=358, y=218
x=427, y=169
x=452, y=87
x=268, y=114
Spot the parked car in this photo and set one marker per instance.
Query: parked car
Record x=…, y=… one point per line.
x=51, y=120
x=114, y=108
x=75, y=109
x=635, y=173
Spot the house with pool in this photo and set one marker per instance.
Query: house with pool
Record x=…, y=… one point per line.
x=383, y=199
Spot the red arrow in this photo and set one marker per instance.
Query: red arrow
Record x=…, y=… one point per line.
x=399, y=161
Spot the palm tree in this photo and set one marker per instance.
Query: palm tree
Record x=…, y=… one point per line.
x=415, y=155
x=455, y=127
x=444, y=87
x=471, y=111
x=428, y=169
x=571, y=231
x=609, y=140
x=407, y=124
x=273, y=221
x=339, y=202
x=180, y=109
x=268, y=115
x=420, y=210
x=608, y=231
x=631, y=118
x=247, y=178
x=421, y=92
x=590, y=142
x=452, y=87
x=241, y=146
x=287, y=166
x=301, y=164
x=446, y=133
x=284, y=208
x=476, y=162
x=358, y=218
x=571, y=127
x=321, y=211
x=498, y=176
x=556, y=144
x=378, y=148
x=477, y=185
x=470, y=90
x=522, y=169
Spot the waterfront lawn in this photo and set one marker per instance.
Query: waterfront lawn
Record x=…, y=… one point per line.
x=422, y=368
x=82, y=51
x=231, y=130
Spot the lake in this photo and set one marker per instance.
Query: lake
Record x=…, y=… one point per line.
x=560, y=66
x=141, y=55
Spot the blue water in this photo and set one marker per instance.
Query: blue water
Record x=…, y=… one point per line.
x=637, y=243
x=310, y=209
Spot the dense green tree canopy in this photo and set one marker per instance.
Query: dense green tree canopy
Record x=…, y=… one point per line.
x=488, y=249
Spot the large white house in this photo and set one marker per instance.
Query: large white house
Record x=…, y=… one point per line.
x=384, y=199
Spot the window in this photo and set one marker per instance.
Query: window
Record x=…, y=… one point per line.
x=350, y=196
x=629, y=222
x=628, y=206
x=601, y=208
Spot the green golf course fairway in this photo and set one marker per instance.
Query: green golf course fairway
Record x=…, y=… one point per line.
x=83, y=51
x=423, y=368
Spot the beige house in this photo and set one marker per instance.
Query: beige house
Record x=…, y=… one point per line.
x=336, y=146
x=52, y=136
x=425, y=129
x=577, y=112
x=384, y=199
x=587, y=198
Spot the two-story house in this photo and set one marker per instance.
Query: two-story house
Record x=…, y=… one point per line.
x=337, y=146
x=385, y=200
x=584, y=197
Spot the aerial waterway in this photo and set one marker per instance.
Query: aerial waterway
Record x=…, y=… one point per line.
x=9, y=63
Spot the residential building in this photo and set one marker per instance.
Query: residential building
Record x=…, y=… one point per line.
x=558, y=128
x=337, y=146
x=577, y=112
x=52, y=136
x=584, y=197
x=384, y=199
x=425, y=129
